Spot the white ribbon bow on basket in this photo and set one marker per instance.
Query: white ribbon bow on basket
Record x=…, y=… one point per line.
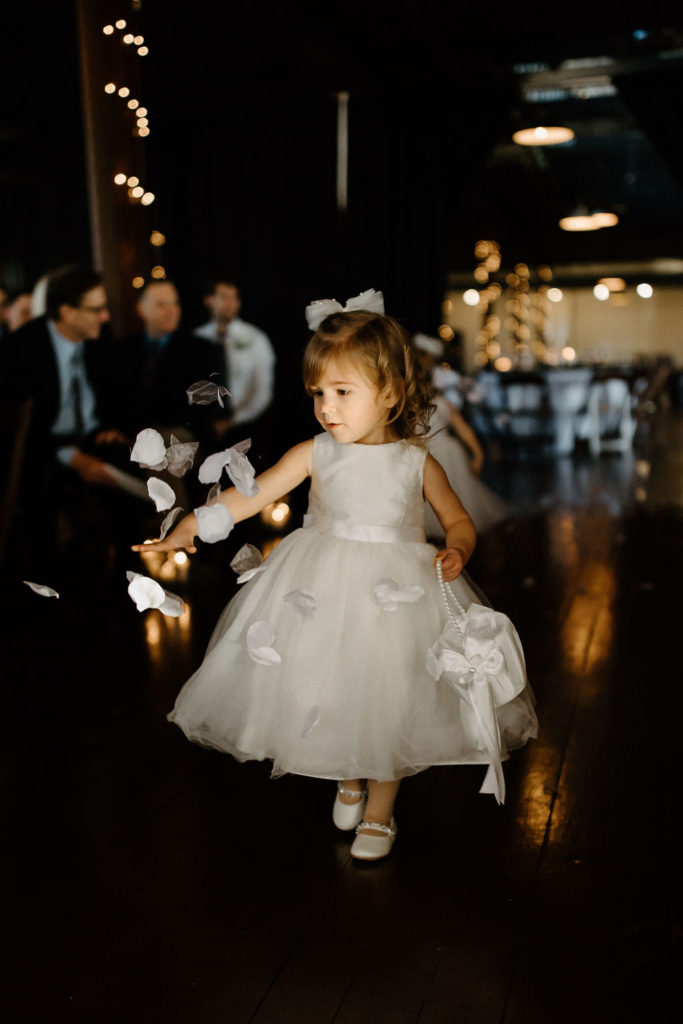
x=479, y=655
x=369, y=301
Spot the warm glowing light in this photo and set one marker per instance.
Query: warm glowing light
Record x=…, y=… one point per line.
x=545, y=273
x=138, y=282
x=180, y=558
x=481, y=274
x=143, y=51
x=480, y=358
x=512, y=280
x=446, y=332
x=110, y=87
x=137, y=192
x=604, y=219
x=108, y=30
x=147, y=200
x=133, y=181
x=542, y=136
x=503, y=364
x=139, y=40
x=471, y=297
x=142, y=122
x=121, y=23
x=522, y=270
x=142, y=112
x=158, y=272
x=119, y=179
x=614, y=284
x=133, y=104
x=493, y=350
x=601, y=292
x=568, y=354
x=128, y=38
x=157, y=238
x=644, y=290
x=124, y=91
x=447, y=305
x=492, y=262
x=482, y=249
x=579, y=222
x=280, y=512
x=143, y=132
x=555, y=294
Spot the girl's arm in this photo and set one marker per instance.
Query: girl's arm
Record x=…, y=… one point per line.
x=291, y=470
x=467, y=434
x=461, y=536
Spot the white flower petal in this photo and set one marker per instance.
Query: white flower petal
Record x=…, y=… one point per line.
x=146, y=592
x=212, y=467
x=241, y=472
x=214, y=522
x=432, y=665
x=180, y=456
x=149, y=448
x=302, y=602
x=259, y=639
x=264, y=655
x=172, y=605
x=245, y=576
x=204, y=392
x=389, y=595
x=168, y=521
x=310, y=722
x=161, y=493
x=41, y=589
x=248, y=557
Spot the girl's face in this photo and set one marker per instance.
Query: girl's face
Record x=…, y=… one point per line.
x=350, y=407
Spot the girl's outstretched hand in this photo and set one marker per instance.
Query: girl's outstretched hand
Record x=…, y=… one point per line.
x=182, y=536
x=452, y=563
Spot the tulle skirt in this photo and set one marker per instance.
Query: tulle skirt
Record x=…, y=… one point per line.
x=485, y=507
x=307, y=669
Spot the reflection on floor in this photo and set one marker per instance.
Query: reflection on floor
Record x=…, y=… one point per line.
x=149, y=880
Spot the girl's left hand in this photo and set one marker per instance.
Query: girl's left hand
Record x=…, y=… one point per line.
x=452, y=563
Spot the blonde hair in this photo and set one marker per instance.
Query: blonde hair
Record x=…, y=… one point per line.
x=380, y=348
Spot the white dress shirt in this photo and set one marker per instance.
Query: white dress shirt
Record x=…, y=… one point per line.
x=250, y=361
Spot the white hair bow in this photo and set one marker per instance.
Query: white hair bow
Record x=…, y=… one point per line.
x=369, y=301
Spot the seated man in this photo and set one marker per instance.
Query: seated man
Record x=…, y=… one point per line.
x=69, y=492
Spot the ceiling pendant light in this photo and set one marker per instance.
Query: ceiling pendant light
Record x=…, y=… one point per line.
x=543, y=136
x=583, y=219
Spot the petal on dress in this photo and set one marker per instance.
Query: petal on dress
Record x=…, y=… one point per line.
x=301, y=601
x=389, y=595
x=259, y=639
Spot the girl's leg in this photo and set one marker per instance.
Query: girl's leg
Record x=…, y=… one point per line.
x=380, y=805
x=356, y=786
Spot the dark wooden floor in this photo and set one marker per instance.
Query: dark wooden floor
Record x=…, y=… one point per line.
x=149, y=880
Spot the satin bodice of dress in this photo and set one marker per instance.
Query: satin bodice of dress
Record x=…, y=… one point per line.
x=368, y=485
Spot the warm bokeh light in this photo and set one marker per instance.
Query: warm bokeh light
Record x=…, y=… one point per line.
x=142, y=122
x=158, y=272
x=143, y=132
x=124, y=91
x=601, y=292
x=147, y=200
x=133, y=104
x=139, y=40
x=143, y=51
x=108, y=30
x=446, y=332
x=128, y=38
x=119, y=179
x=137, y=192
x=133, y=181
x=644, y=290
x=582, y=222
x=555, y=294
x=142, y=112
x=604, y=219
x=138, y=282
x=568, y=354
x=157, y=238
x=471, y=297
x=543, y=136
x=545, y=273
x=503, y=364
x=614, y=284
x=110, y=87
x=121, y=23
x=481, y=274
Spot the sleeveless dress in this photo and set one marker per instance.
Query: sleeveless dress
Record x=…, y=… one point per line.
x=484, y=506
x=319, y=662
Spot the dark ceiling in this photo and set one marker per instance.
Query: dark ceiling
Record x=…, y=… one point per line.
x=242, y=99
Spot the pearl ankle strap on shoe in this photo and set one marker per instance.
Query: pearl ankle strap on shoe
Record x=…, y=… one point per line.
x=351, y=792
x=387, y=830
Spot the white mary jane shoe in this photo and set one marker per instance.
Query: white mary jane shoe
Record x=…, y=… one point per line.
x=347, y=816
x=367, y=847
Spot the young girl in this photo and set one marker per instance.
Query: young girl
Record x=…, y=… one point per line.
x=320, y=661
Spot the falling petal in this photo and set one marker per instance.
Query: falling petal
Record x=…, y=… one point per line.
x=389, y=595
x=311, y=720
x=259, y=639
x=173, y=605
x=214, y=522
x=149, y=448
x=161, y=493
x=180, y=456
x=41, y=589
x=168, y=522
x=241, y=472
x=212, y=467
x=302, y=602
x=247, y=563
x=204, y=392
x=146, y=592
x=245, y=576
x=213, y=494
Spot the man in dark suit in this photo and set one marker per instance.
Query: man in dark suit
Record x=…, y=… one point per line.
x=68, y=493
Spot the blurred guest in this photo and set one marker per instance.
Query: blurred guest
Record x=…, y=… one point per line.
x=247, y=362
x=69, y=481
x=19, y=309
x=4, y=295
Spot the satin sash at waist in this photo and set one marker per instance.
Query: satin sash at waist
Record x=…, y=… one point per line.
x=349, y=530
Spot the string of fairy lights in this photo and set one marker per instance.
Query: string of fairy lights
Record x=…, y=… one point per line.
x=137, y=192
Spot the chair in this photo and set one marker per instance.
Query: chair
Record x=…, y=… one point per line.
x=568, y=398
x=610, y=424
